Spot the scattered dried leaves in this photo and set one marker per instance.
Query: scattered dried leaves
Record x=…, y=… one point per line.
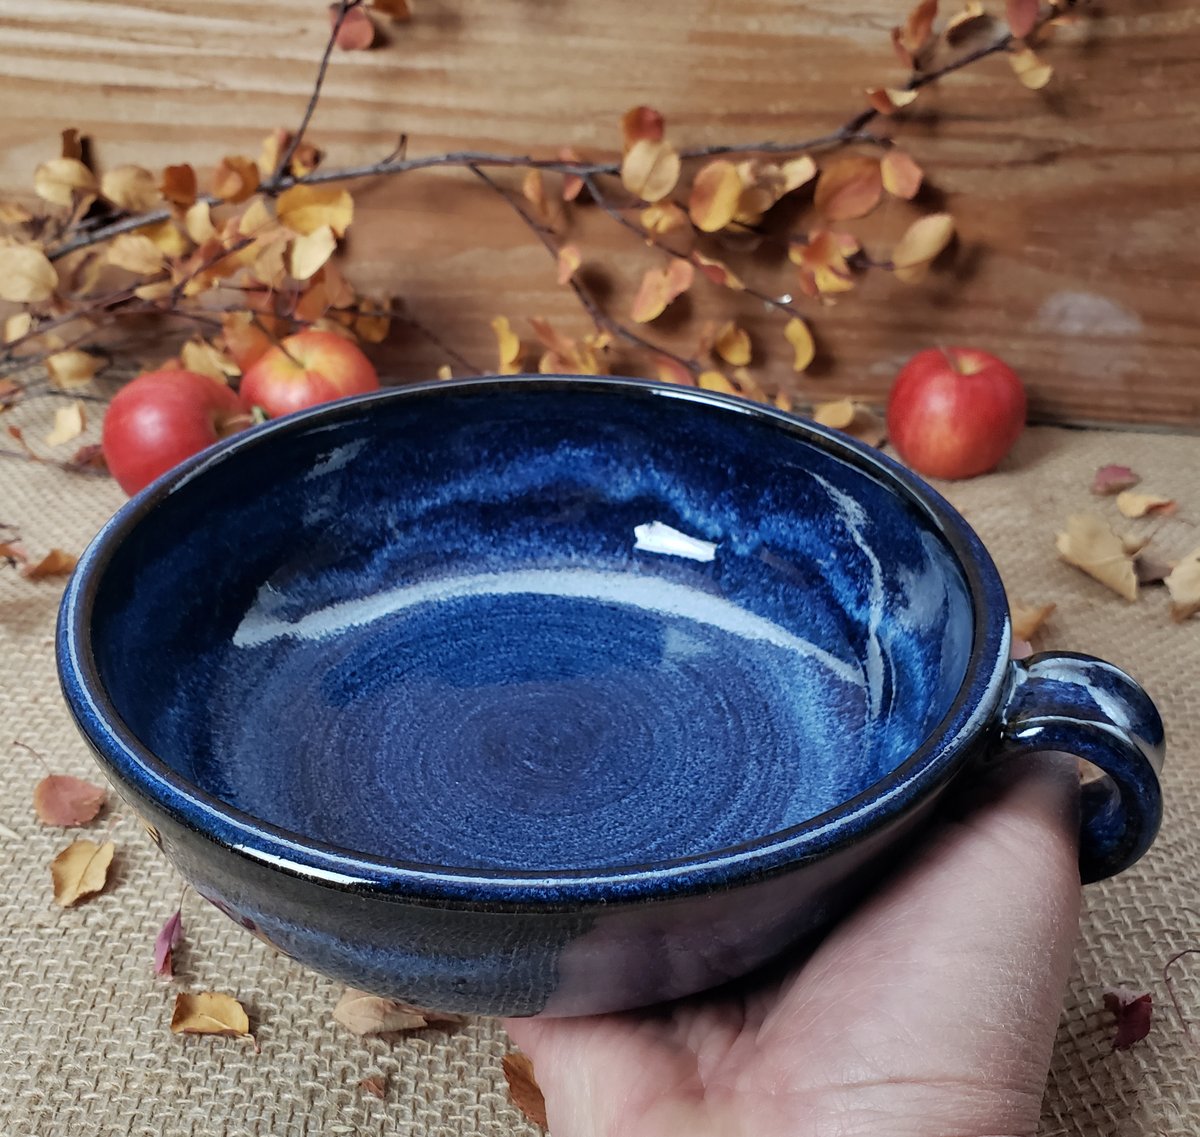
x=304, y=209
x=235, y=179
x=508, y=345
x=1133, y=1011
x=1090, y=544
x=1135, y=505
x=59, y=180
x=364, y=1013
x=209, y=1012
x=659, y=287
x=1113, y=479
x=135, y=252
x=178, y=185
x=526, y=1094
x=822, y=261
x=131, y=188
x=54, y=563
x=663, y=217
x=60, y=799
x=915, y=35
x=169, y=937
x=1183, y=584
x=72, y=368
x=69, y=422
x=310, y=252
x=80, y=870
x=966, y=23
x=852, y=418
x=1027, y=619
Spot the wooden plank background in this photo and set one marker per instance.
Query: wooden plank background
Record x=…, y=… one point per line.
x=1077, y=206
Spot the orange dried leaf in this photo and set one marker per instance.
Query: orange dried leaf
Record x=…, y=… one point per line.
x=209, y=1012
x=135, y=252
x=168, y=238
x=69, y=423
x=131, y=188
x=17, y=326
x=1183, y=583
x=178, y=185
x=59, y=799
x=718, y=272
x=798, y=172
x=748, y=386
x=508, y=345
x=373, y=322
x=157, y=290
x=1030, y=69
x=850, y=187
x=304, y=209
x=822, y=261
x=72, y=143
x=672, y=371
x=26, y=274
x=533, y=189
x=236, y=178
x=922, y=242
x=732, y=344
x=572, y=184
x=913, y=37
x=200, y=356
x=356, y=32
x=244, y=341
x=1134, y=505
x=363, y=1013
x=72, y=368
x=715, y=381
x=80, y=871
x=663, y=217
x=1027, y=619
x=716, y=191
x=964, y=24
x=198, y=223
x=569, y=260
x=888, y=100
x=397, y=10
x=1091, y=545
x=523, y=1088
x=901, y=175
x=309, y=252
x=796, y=332
x=1022, y=17
x=641, y=124
x=851, y=418
x=60, y=179
x=650, y=169
x=659, y=287
x=445, y=371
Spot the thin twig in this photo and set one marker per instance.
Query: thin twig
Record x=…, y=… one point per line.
x=1170, y=985
x=285, y=160
x=437, y=341
x=600, y=318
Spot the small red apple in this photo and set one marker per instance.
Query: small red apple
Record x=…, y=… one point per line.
x=955, y=412
x=162, y=417
x=306, y=369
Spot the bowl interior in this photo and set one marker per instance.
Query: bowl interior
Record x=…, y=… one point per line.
x=532, y=627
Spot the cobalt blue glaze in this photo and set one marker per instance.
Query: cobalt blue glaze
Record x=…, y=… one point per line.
x=545, y=695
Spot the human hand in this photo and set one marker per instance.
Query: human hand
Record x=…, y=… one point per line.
x=930, y=1011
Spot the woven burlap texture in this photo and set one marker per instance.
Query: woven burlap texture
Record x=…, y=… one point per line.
x=84, y=1045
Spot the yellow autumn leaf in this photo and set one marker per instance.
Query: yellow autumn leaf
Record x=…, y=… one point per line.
x=208, y=1012
x=848, y=188
x=659, y=287
x=1030, y=69
x=569, y=260
x=1183, y=583
x=26, y=274
x=822, y=261
x=80, y=870
x=673, y=371
x=851, y=418
x=748, y=387
x=200, y=356
x=60, y=179
x=155, y=290
x=72, y=368
x=445, y=372
x=1133, y=505
x=718, y=272
x=901, y=175
x=924, y=239
x=888, y=100
x=732, y=344
x=716, y=190
x=397, y=9
x=1027, y=619
x=966, y=22
x=14, y=213
x=798, y=172
x=198, y=223
x=783, y=400
x=135, y=252
x=797, y=334
x=508, y=346
x=650, y=170
x=663, y=217
x=715, y=381
x=911, y=39
x=1091, y=545
x=17, y=325
x=373, y=321
x=170, y=240
x=235, y=178
x=131, y=188
x=304, y=209
x=310, y=251
x=69, y=422
x=257, y=217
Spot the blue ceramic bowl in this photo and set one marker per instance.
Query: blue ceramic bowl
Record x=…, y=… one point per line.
x=546, y=695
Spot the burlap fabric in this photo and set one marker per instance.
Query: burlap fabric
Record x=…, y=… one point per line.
x=84, y=1045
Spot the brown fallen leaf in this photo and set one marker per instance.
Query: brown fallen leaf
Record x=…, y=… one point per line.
x=526, y=1094
x=363, y=1013
x=1183, y=583
x=80, y=871
x=1027, y=619
x=1091, y=545
x=902, y=176
x=852, y=418
x=209, y=1012
x=1133, y=1011
x=54, y=563
x=59, y=799
x=640, y=123
x=659, y=288
x=1113, y=479
x=169, y=937
x=12, y=553
x=1134, y=505
x=848, y=188
x=375, y=1085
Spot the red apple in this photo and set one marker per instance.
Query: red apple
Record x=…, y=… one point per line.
x=955, y=412
x=306, y=369
x=163, y=417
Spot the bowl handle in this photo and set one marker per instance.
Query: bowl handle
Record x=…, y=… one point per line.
x=1081, y=705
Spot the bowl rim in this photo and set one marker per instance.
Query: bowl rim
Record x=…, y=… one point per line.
x=133, y=767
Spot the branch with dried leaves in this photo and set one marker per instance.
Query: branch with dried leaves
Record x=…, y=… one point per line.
x=250, y=258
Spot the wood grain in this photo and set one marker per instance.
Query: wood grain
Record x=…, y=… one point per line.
x=1077, y=206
